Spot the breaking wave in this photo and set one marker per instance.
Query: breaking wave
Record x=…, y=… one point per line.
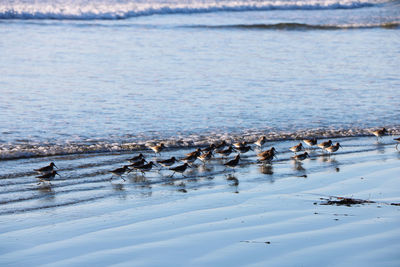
x=28, y=150
x=117, y=9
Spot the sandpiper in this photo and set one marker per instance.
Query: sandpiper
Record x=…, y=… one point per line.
x=47, y=177
x=325, y=144
x=196, y=153
x=136, y=158
x=271, y=151
x=181, y=169
x=243, y=149
x=190, y=159
x=120, y=171
x=301, y=156
x=333, y=148
x=261, y=141
x=266, y=158
x=48, y=168
x=234, y=162
x=145, y=168
x=205, y=156
x=167, y=162
x=398, y=141
x=297, y=148
x=137, y=163
x=157, y=148
x=221, y=145
x=379, y=133
x=310, y=142
x=225, y=152
x=209, y=148
x=239, y=144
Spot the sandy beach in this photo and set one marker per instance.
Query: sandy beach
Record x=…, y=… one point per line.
x=272, y=215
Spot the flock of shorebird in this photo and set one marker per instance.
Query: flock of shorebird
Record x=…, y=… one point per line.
x=139, y=163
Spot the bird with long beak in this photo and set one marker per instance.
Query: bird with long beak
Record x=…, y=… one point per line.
x=333, y=148
x=120, y=171
x=190, y=159
x=261, y=141
x=196, y=153
x=47, y=177
x=220, y=145
x=225, y=152
x=157, y=148
x=271, y=151
x=301, y=156
x=233, y=163
x=379, y=133
x=137, y=164
x=167, y=162
x=137, y=158
x=266, y=158
x=243, y=149
x=145, y=168
x=325, y=144
x=48, y=168
x=205, y=156
x=239, y=144
x=310, y=142
x=181, y=169
x=296, y=148
x=209, y=148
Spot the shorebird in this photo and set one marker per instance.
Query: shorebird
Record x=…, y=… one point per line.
x=266, y=158
x=137, y=163
x=398, y=142
x=221, y=145
x=261, y=141
x=48, y=168
x=333, y=148
x=325, y=144
x=271, y=151
x=189, y=159
x=209, y=148
x=47, y=177
x=196, y=153
x=181, y=169
x=120, y=171
x=205, y=156
x=225, y=152
x=297, y=148
x=310, y=142
x=379, y=133
x=243, y=149
x=239, y=144
x=145, y=168
x=234, y=162
x=157, y=148
x=136, y=158
x=167, y=162
x=301, y=156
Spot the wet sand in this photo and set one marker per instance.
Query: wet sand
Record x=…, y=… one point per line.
x=257, y=215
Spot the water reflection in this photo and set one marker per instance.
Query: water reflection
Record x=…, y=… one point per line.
x=266, y=169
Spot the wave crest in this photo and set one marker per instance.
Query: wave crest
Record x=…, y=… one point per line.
x=109, y=10
x=28, y=150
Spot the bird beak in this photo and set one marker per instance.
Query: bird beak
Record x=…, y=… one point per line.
x=55, y=166
x=58, y=174
x=340, y=146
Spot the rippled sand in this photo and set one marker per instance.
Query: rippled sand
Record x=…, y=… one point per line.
x=258, y=215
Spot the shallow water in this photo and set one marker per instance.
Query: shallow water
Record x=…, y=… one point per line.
x=190, y=74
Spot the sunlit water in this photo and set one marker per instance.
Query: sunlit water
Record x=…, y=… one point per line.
x=192, y=69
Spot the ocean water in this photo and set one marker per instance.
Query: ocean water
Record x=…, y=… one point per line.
x=79, y=76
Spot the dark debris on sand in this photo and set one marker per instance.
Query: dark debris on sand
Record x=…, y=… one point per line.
x=344, y=201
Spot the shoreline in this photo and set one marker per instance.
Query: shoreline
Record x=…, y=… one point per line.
x=268, y=217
